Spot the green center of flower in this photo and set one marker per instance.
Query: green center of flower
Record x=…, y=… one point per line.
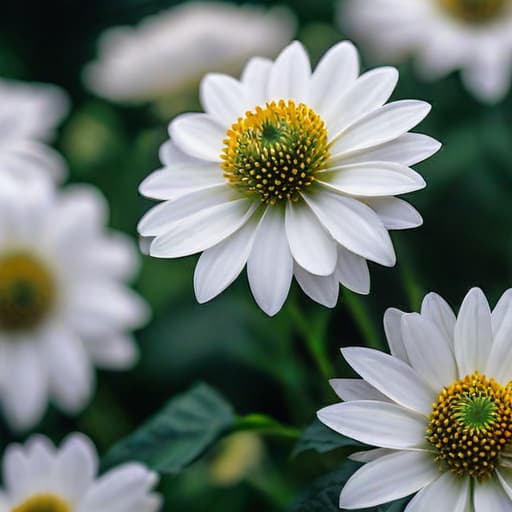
x=43, y=503
x=27, y=291
x=273, y=153
x=470, y=424
x=475, y=11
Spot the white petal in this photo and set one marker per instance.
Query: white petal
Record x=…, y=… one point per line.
x=439, y=312
x=270, y=264
x=380, y=126
x=376, y=423
x=220, y=265
x=446, y=494
x=501, y=310
x=322, y=289
x=334, y=74
x=115, y=352
x=488, y=82
x=395, y=213
x=504, y=475
x=429, y=352
x=255, y=79
x=71, y=375
x=354, y=225
x=371, y=90
x=202, y=230
x=157, y=220
x=198, y=135
x=223, y=98
x=25, y=392
x=170, y=155
x=499, y=365
x=372, y=179
x=370, y=455
x=489, y=496
x=311, y=246
x=290, y=75
x=171, y=183
x=352, y=271
x=408, y=149
x=473, y=333
x=393, y=330
x=356, y=389
x=392, y=377
x=389, y=478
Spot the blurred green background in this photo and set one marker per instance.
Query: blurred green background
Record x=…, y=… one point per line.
x=260, y=365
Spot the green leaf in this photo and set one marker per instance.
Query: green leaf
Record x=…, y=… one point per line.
x=177, y=435
x=322, y=439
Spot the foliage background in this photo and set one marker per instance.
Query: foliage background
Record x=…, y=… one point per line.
x=259, y=364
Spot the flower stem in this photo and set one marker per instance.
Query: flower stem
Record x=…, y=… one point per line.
x=266, y=425
x=362, y=319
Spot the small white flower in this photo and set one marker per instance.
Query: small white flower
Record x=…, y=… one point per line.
x=64, y=305
x=291, y=172
x=29, y=114
x=174, y=49
x=445, y=35
x=439, y=409
x=38, y=477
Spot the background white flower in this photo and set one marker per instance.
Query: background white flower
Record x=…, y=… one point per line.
x=38, y=476
x=439, y=409
x=29, y=115
x=444, y=35
x=291, y=172
x=169, y=51
x=64, y=306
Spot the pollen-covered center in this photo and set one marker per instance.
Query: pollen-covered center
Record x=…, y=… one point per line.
x=273, y=153
x=43, y=503
x=27, y=291
x=470, y=424
x=475, y=11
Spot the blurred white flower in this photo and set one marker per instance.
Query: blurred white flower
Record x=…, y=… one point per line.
x=64, y=305
x=29, y=114
x=174, y=49
x=444, y=35
x=438, y=409
x=291, y=172
x=38, y=477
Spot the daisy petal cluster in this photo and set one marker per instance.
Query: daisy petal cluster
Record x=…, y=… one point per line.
x=444, y=35
x=167, y=52
x=438, y=410
x=29, y=114
x=39, y=477
x=290, y=172
x=64, y=303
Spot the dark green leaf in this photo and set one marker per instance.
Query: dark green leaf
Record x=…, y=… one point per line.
x=178, y=434
x=322, y=439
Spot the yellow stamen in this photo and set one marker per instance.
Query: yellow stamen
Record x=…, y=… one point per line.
x=43, y=503
x=474, y=11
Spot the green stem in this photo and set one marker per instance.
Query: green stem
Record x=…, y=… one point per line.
x=266, y=425
x=363, y=320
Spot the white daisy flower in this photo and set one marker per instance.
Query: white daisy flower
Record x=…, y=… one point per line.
x=29, y=114
x=291, y=172
x=38, y=477
x=64, y=305
x=168, y=52
x=438, y=409
x=445, y=35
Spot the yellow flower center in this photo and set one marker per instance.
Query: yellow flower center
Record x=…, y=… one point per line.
x=27, y=291
x=470, y=424
x=273, y=153
x=475, y=11
x=43, y=503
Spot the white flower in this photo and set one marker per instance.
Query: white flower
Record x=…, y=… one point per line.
x=439, y=409
x=39, y=477
x=291, y=172
x=64, y=305
x=175, y=48
x=445, y=35
x=29, y=114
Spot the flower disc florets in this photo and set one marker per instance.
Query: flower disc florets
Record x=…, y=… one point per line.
x=43, y=503
x=273, y=153
x=470, y=424
x=27, y=291
x=475, y=11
